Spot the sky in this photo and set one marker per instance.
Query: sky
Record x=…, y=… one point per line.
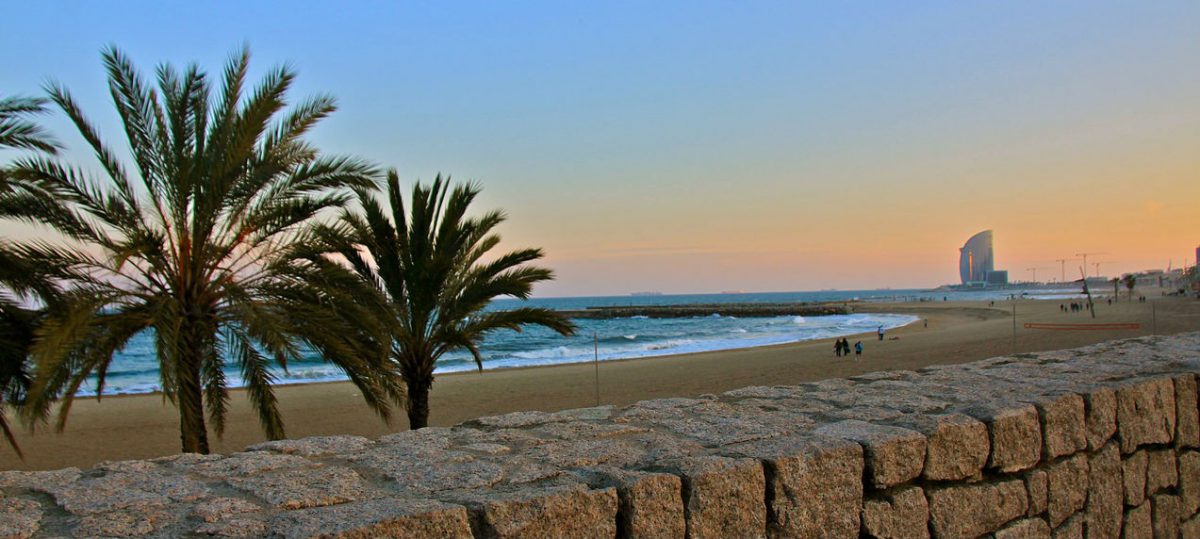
x=697, y=146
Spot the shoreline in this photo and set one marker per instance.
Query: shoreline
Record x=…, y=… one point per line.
x=602, y=361
x=128, y=426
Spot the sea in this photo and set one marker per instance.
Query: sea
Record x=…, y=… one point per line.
x=135, y=368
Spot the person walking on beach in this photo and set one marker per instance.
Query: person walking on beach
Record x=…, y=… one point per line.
x=881, y=333
x=857, y=349
x=837, y=348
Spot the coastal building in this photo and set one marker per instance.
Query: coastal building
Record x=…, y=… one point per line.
x=976, y=263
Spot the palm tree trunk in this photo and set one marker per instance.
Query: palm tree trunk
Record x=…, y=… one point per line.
x=193, y=433
x=418, y=401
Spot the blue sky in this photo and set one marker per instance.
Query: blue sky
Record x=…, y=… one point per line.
x=700, y=146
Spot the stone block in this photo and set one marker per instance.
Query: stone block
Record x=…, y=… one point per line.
x=957, y=445
x=543, y=512
x=1190, y=528
x=1145, y=413
x=1189, y=482
x=392, y=517
x=1100, y=409
x=902, y=513
x=723, y=496
x=893, y=455
x=1026, y=528
x=1165, y=515
x=19, y=519
x=1038, y=491
x=221, y=508
x=1067, y=482
x=651, y=504
x=1064, y=426
x=1016, y=435
x=301, y=488
x=814, y=485
x=1138, y=523
x=124, y=523
x=1072, y=528
x=1161, y=471
x=971, y=510
x=1133, y=477
x=1105, y=494
x=133, y=491
x=1187, y=416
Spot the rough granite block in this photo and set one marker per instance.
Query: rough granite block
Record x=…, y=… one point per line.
x=1100, y=409
x=1137, y=523
x=1133, y=477
x=1165, y=515
x=814, y=484
x=971, y=510
x=1064, y=426
x=897, y=514
x=651, y=504
x=1067, y=482
x=1145, y=414
x=1161, y=471
x=957, y=445
x=393, y=517
x=723, y=497
x=1187, y=416
x=1037, y=490
x=1190, y=529
x=1189, y=482
x=1071, y=529
x=1105, y=500
x=543, y=512
x=893, y=455
x=19, y=519
x=1026, y=528
x=300, y=488
x=1016, y=435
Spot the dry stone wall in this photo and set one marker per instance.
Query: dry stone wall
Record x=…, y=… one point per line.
x=1097, y=442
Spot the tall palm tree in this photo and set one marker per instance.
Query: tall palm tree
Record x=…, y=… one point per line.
x=430, y=268
x=18, y=281
x=195, y=245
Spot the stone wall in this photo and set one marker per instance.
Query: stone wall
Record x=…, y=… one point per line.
x=1092, y=442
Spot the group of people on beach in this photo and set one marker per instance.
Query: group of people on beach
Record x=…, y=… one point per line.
x=841, y=347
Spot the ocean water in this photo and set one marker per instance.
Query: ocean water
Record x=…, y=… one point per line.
x=135, y=368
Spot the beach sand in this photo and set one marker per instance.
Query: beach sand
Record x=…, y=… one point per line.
x=145, y=426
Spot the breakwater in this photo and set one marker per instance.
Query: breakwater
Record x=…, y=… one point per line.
x=710, y=309
x=1100, y=441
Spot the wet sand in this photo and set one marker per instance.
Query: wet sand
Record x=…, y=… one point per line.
x=144, y=426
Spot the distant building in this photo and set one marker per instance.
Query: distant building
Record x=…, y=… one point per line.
x=975, y=259
x=998, y=277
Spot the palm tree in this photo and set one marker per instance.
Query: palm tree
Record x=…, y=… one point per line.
x=1130, y=282
x=196, y=246
x=18, y=281
x=429, y=267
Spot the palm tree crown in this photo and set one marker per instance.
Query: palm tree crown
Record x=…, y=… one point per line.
x=18, y=281
x=432, y=268
x=195, y=244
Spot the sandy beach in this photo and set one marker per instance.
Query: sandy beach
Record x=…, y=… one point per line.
x=144, y=426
